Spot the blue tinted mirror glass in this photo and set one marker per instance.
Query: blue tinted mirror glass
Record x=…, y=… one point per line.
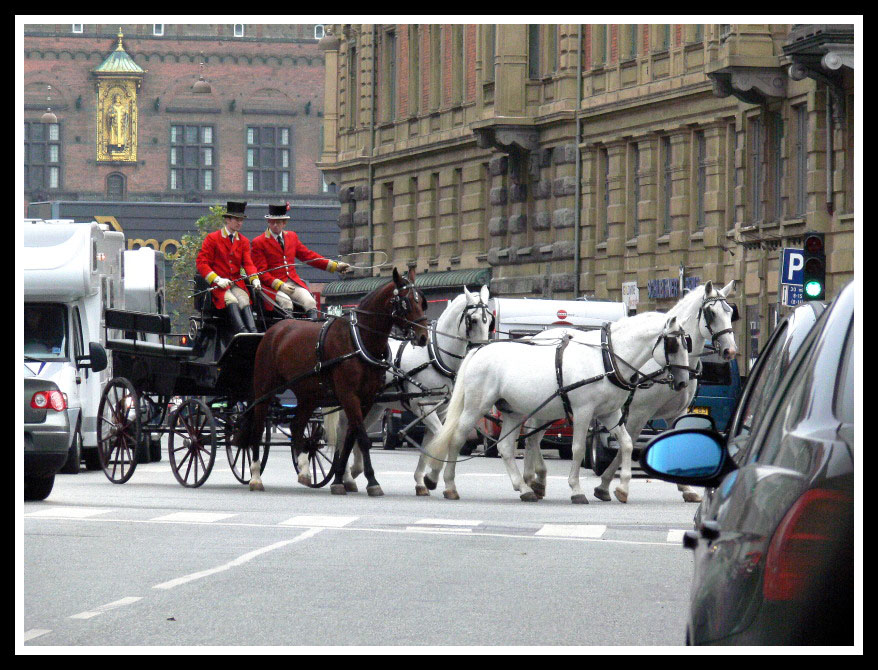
x=694, y=421
x=687, y=455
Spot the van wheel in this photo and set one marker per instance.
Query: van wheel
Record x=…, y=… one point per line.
x=71, y=467
x=38, y=488
x=91, y=458
x=597, y=453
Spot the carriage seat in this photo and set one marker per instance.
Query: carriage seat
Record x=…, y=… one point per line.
x=136, y=323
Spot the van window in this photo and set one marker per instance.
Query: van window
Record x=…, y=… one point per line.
x=45, y=332
x=77, y=333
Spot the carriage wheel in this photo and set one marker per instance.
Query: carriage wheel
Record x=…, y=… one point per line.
x=240, y=459
x=118, y=430
x=319, y=454
x=192, y=443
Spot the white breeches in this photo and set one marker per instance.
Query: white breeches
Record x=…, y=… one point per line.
x=293, y=293
x=237, y=296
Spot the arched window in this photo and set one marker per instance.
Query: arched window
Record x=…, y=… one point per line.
x=116, y=186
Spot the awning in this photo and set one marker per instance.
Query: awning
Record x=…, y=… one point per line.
x=427, y=281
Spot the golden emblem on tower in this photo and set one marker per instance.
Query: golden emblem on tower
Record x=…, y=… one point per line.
x=118, y=79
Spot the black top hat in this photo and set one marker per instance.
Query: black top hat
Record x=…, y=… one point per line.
x=236, y=209
x=277, y=212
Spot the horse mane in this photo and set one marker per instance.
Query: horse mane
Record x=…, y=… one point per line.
x=373, y=295
x=685, y=304
x=638, y=321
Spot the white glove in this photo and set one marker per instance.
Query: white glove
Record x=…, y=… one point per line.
x=343, y=268
x=222, y=282
x=257, y=285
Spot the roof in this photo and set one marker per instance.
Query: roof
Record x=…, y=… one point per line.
x=119, y=62
x=427, y=281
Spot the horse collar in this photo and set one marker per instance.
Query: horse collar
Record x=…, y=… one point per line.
x=433, y=350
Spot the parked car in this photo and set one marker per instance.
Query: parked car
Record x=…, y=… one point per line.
x=774, y=546
x=558, y=436
x=47, y=436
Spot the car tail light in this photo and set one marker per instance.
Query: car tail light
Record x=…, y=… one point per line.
x=802, y=543
x=49, y=400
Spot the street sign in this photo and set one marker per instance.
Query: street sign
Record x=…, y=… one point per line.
x=792, y=263
x=630, y=294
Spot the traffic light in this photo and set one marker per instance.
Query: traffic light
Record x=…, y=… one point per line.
x=814, y=271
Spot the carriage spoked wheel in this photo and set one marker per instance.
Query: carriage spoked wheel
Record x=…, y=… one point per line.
x=240, y=459
x=320, y=454
x=192, y=442
x=118, y=430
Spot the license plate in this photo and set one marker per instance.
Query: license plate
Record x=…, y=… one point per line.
x=700, y=410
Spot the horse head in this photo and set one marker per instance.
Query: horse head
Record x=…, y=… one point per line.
x=408, y=308
x=672, y=350
x=476, y=320
x=715, y=318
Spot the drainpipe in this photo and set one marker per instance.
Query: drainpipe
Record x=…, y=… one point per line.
x=830, y=131
x=372, y=140
x=577, y=233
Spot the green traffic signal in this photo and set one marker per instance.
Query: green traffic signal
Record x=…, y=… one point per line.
x=813, y=289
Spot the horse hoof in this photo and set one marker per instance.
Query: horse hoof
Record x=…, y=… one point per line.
x=351, y=487
x=579, y=499
x=374, y=491
x=256, y=486
x=429, y=483
x=337, y=489
x=530, y=496
x=621, y=495
x=305, y=479
x=600, y=494
x=691, y=496
x=539, y=489
x=421, y=491
x=451, y=495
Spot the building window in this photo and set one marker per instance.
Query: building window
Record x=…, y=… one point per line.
x=667, y=184
x=604, y=157
x=629, y=43
x=599, y=45
x=239, y=30
x=319, y=31
x=533, y=51
x=158, y=29
x=635, y=190
x=352, y=87
x=776, y=165
x=115, y=186
x=662, y=37
x=268, y=159
x=490, y=52
x=435, y=66
x=192, y=158
x=42, y=156
x=700, y=177
x=755, y=165
x=388, y=84
x=434, y=232
x=458, y=56
x=553, y=48
x=801, y=114
x=76, y=28
x=414, y=71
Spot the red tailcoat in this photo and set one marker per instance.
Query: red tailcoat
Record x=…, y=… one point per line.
x=268, y=254
x=220, y=257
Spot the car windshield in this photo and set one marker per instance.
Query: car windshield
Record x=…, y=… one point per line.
x=45, y=332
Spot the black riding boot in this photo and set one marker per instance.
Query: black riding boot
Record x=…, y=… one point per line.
x=235, y=319
x=248, y=318
x=313, y=314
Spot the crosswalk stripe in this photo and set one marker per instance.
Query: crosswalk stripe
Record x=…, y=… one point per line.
x=447, y=522
x=34, y=632
x=68, y=512
x=196, y=517
x=675, y=535
x=313, y=520
x=571, y=530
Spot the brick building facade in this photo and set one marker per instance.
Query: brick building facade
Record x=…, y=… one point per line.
x=254, y=136
x=574, y=159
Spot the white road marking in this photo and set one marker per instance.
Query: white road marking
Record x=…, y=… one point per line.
x=447, y=522
x=106, y=608
x=68, y=512
x=311, y=521
x=571, y=530
x=194, y=517
x=34, y=632
x=236, y=562
x=675, y=535
x=428, y=529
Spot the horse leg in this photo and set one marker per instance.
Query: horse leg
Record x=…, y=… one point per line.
x=373, y=488
x=602, y=490
x=465, y=424
x=339, y=463
x=688, y=494
x=425, y=483
x=252, y=433
x=534, y=465
x=340, y=426
x=297, y=435
x=626, y=448
x=580, y=430
x=506, y=449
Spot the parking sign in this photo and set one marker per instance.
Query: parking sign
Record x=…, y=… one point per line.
x=792, y=262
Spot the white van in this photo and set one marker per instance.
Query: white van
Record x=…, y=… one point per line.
x=520, y=317
x=72, y=272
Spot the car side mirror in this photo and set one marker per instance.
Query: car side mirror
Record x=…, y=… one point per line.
x=96, y=360
x=695, y=421
x=693, y=456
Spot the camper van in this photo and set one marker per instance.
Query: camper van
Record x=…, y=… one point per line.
x=72, y=272
x=521, y=317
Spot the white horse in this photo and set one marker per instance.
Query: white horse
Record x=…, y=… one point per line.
x=518, y=375
x=464, y=323
x=705, y=315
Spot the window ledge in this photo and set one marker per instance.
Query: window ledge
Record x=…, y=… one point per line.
x=697, y=235
x=664, y=239
x=631, y=243
x=600, y=246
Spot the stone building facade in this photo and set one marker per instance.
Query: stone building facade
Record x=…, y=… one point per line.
x=575, y=159
x=254, y=134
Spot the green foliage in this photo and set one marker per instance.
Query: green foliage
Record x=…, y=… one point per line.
x=179, y=287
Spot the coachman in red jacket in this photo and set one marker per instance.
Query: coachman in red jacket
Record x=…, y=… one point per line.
x=275, y=253
x=223, y=254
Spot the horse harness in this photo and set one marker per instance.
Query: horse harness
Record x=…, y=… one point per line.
x=709, y=317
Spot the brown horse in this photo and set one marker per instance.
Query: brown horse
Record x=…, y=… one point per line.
x=339, y=362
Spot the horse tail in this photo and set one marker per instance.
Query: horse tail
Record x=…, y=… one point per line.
x=330, y=425
x=439, y=444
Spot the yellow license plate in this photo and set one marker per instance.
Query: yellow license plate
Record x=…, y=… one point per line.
x=700, y=410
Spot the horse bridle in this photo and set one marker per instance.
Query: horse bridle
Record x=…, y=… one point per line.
x=470, y=319
x=672, y=345
x=708, y=315
x=400, y=306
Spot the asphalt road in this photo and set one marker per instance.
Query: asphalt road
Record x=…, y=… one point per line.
x=152, y=563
